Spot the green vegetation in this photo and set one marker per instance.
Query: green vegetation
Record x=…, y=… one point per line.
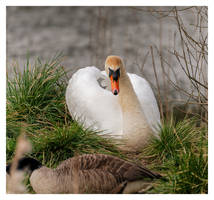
x=181, y=155
x=36, y=102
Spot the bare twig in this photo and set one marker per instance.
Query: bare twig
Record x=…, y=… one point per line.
x=157, y=83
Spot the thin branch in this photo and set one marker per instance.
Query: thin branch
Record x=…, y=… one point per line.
x=157, y=83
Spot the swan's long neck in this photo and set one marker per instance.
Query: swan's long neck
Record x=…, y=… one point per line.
x=135, y=125
x=127, y=97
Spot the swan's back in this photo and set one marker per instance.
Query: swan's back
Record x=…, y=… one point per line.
x=147, y=101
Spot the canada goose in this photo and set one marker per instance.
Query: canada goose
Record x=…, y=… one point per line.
x=131, y=113
x=88, y=173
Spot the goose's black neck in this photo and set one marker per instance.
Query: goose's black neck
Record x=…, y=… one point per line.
x=26, y=162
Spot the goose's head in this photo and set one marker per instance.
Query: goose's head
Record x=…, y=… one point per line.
x=113, y=68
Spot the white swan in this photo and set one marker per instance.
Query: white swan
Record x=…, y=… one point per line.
x=133, y=114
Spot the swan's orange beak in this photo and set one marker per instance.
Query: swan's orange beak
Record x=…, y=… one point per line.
x=114, y=85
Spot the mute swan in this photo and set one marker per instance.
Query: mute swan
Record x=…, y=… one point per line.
x=132, y=115
x=89, y=173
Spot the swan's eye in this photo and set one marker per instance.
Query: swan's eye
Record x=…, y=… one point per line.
x=114, y=74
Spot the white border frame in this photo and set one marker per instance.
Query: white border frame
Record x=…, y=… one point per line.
x=4, y=3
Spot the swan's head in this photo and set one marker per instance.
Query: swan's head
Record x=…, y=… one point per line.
x=113, y=67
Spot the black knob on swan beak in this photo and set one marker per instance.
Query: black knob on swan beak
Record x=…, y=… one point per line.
x=115, y=92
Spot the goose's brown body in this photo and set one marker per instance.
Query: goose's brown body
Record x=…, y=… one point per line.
x=90, y=173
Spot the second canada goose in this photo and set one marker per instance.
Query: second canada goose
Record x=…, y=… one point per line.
x=88, y=173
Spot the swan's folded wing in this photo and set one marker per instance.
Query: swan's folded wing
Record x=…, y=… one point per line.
x=91, y=104
x=147, y=100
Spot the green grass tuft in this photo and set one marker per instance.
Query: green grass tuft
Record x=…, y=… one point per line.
x=37, y=94
x=181, y=154
x=175, y=138
x=60, y=143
